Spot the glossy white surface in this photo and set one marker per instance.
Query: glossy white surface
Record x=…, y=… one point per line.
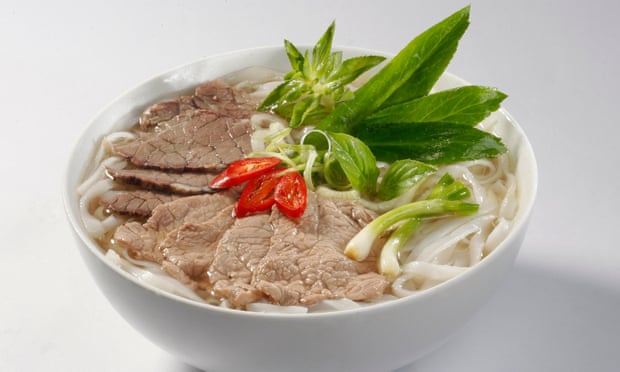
x=557, y=60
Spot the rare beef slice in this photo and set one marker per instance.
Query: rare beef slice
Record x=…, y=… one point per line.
x=142, y=241
x=305, y=262
x=264, y=257
x=216, y=96
x=238, y=253
x=196, y=140
x=189, y=250
x=163, y=181
x=136, y=202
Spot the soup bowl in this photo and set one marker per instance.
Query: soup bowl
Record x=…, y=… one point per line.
x=379, y=337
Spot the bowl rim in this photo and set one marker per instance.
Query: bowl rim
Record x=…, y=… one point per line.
x=71, y=202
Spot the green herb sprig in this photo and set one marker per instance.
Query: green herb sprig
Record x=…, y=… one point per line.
x=317, y=82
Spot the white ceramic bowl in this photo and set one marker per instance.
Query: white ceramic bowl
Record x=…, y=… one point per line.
x=381, y=337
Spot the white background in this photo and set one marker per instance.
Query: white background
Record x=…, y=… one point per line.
x=60, y=62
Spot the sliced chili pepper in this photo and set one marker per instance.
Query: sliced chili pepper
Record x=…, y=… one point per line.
x=258, y=195
x=243, y=170
x=291, y=194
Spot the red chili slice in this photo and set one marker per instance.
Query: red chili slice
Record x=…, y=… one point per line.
x=243, y=170
x=258, y=195
x=291, y=194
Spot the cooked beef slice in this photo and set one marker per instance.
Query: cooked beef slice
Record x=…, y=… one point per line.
x=196, y=140
x=189, y=250
x=305, y=262
x=172, y=182
x=161, y=111
x=137, y=202
x=266, y=256
x=238, y=253
x=295, y=262
x=142, y=240
x=223, y=99
x=215, y=96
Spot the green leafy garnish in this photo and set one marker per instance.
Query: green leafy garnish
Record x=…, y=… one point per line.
x=434, y=143
x=357, y=162
x=393, y=117
x=467, y=105
x=439, y=40
x=317, y=83
x=401, y=176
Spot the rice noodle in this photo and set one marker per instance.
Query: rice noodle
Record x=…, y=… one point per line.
x=416, y=276
x=262, y=307
x=433, y=249
x=153, y=276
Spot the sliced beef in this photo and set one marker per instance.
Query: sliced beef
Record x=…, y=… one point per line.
x=142, y=240
x=171, y=182
x=137, y=202
x=223, y=99
x=216, y=96
x=196, y=140
x=305, y=262
x=161, y=111
x=238, y=253
x=189, y=250
x=295, y=262
x=269, y=257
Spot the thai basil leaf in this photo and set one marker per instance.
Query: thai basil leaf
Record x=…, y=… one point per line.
x=302, y=110
x=287, y=92
x=403, y=175
x=322, y=50
x=352, y=68
x=372, y=95
x=434, y=143
x=334, y=175
x=357, y=162
x=316, y=82
x=424, y=78
x=295, y=58
x=467, y=105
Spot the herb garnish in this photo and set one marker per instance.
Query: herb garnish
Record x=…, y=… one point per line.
x=394, y=113
x=316, y=83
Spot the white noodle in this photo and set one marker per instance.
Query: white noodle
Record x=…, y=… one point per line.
x=262, y=307
x=115, y=138
x=99, y=174
x=94, y=226
x=508, y=207
x=477, y=242
x=264, y=125
x=433, y=250
x=418, y=275
x=153, y=276
x=332, y=305
x=498, y=234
